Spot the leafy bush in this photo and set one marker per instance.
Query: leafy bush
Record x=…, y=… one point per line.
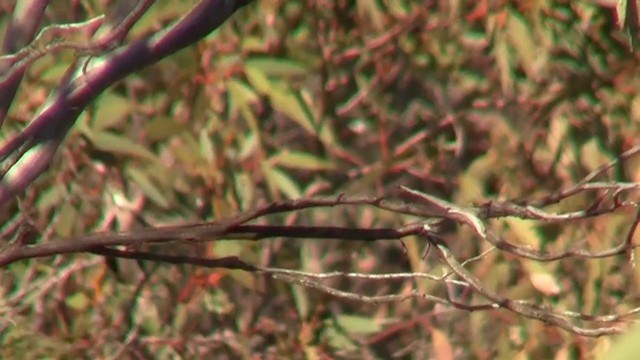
x=306, y=126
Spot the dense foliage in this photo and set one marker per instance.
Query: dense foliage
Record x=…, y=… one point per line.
x=469, y=101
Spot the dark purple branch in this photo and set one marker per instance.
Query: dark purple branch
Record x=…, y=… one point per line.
x=228, y=262
x=257, y=232
x=24, y=24
x=238, y=228
x=235, y=227
x=48, y=129
x=213, y=232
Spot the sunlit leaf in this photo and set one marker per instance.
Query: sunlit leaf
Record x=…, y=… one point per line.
x=276, y=66
x=111, y=110
x=336, y=338
x=628, y=14
x=289, y=104
x=51, y=197
x=503, y=62
x=248, y=145
x=621, y=12
x=524, y=231
x=471, y=186
x=301, y=301
x=241, y=92
x=206, y=147
x=282, y=97
x=279, y=181
x=301, y=160
x=313, y=352
x=624, y=347
x=593, y=155
x=258, y=79
x=78, y=301
x=253, y=43
x=246, y=189
x=354, y=324
x=67, y=220
x=520, y=38
x=114, y=143
x=246, y=279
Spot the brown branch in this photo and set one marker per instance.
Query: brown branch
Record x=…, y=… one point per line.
x=546, y=315
x=238, y=227
x=584, y=183
x=228, y=262
x=234, y=227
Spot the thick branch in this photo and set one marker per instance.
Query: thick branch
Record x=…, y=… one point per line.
x=46, y=131
x=23, y=26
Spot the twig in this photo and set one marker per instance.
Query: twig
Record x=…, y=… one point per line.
x=545, y=315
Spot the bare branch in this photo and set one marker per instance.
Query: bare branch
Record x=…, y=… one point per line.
x=584, y=184
x=234, y=227
x=546, y=315
x=26, y=20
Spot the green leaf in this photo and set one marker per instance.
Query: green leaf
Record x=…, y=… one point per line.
x=282, y=98
x=503, y=61
x=621, y=12
x=301, y=160
x=112, y=110
x=51, y=197
x=276, y=66
x=246, y=189
x=624, y=347
x=279, y=181
x=78, y=301
x=188, y=152
x=472, y=182
x=252, y=44
x=52, y=73
x=520, y=38
x=593, y=155
x=114, y=143
x=248, y=145
x=240, y=248
x=289, y=104
x=258, y=79
x=301, y=301
x=337, y=339
x=67, y=220
x=207, y=149
x=241, y=92
x=147, y=186
x=354, y=324
x=161, y=128
x=525, y=232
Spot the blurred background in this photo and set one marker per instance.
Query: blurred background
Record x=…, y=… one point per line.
x=469, y=101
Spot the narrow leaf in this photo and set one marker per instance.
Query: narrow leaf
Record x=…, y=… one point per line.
x=112, y=110
x=301, y=160
x=148, y=187
x=276, y=66
x=114, y=143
